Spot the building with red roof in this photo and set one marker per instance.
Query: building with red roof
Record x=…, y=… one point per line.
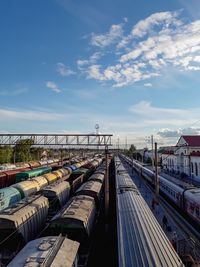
x=185, y=158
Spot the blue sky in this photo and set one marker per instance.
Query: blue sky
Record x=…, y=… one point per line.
x=133, y=67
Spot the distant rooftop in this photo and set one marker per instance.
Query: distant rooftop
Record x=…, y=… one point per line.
x=191, y=140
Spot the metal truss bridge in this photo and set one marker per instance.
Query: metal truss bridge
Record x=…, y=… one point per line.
x=58, y=139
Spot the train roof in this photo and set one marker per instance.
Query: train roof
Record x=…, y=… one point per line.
x=57, y=187
x=79, y=209
x=141, y=240
x=123, y=178
x=97, y=177
x=20, y=211
x=94, y=186
x=53, y=250
x=193, y=194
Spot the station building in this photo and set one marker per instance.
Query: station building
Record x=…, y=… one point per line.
x=184, y=158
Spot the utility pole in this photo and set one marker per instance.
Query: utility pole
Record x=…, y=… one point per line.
x=152, y=156
x=118, y=144
x=132, y=164
x=106, y=190
x=156, y=173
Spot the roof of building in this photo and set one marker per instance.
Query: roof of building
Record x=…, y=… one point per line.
x=191, y=140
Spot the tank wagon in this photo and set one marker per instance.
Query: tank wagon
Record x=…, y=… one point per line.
x=141, y=240
x=32, y=186
x=49, y=251
x=8, y=196
x=32, y=173
x=8, y=176
x=20, y=223
x=27, y=188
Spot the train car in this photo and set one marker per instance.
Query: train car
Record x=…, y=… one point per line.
x=56, y=251
x=41, y=180
x=43, y=162
x=86, y=172
x=65, y=172
x=186, y=199
x=58, y=194
x=76, y=220
x=68, y=169
x=22, y=165
x=9, y=196
x=92, y=189
x=34, y=164
x=75, y=181
x=141, y=240
x=3, y=180
x=22, y=176
x=99, y=177
x=51, y=177
x=20, y=223
x=191, y=203
x=27, y=188
x=10, y=177
x=73, y=167
x=6, y=167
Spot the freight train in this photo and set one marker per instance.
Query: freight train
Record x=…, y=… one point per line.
x=24, y=220
x=186, y=199
x=10, y=195
x=8, y=176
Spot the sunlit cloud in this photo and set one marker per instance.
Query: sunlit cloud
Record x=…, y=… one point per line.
x=53, y=86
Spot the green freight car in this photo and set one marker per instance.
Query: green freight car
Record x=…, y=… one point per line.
x=22, y=176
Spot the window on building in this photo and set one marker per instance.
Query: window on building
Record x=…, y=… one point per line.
x=196, y=169
x=192, y=169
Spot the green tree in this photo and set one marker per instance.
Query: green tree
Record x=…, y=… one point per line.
x=23, y=150
x=132, y=151
x=6, y=154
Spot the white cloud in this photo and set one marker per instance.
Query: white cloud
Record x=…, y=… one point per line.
x=165, y=19
x=170, y=133
x=148, y=85
x=64, y=70
x=158, y=116
x=103, y=40
x=82, y=63
x=31, y=115
x=53, y=86
x=159, y=41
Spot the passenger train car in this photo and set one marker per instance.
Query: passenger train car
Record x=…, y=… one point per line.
x=186, y=199
x=141, y=240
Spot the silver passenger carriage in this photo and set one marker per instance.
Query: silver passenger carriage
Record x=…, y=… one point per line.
x=141, y=240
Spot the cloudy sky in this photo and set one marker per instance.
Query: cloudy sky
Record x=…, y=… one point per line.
x=133, y=67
